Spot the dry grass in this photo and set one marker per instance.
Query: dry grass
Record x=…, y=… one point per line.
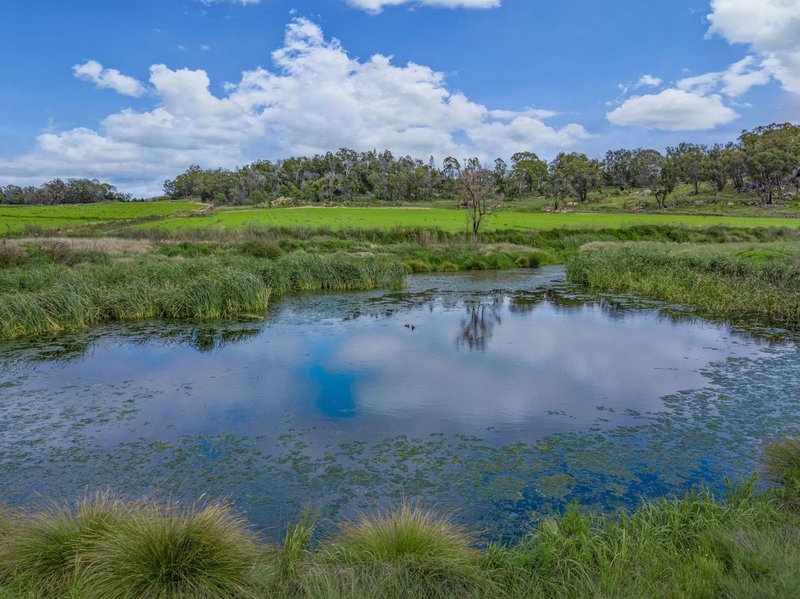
x=113, y=246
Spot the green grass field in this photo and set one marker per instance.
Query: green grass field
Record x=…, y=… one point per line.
x=16, y=218
x=446, y=220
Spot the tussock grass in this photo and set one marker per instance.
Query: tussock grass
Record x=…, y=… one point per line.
x=165, y=552
x=408, y=550
x=43, y=553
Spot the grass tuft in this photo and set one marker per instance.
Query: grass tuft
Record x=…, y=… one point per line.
x=782, y=463
x=43, y=553
x=167, y=553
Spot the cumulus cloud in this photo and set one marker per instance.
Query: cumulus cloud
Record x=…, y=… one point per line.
x=770, y=28
x=93, y=71
x=317, y=98
x=673, y=110
x=379, y=5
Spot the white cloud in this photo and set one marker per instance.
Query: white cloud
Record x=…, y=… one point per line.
x=733, y=82
x=673, y=110
x=644, y=81
x=378, y=5
x=93, y=71
x=649, y=81
x=242, y=2
x=770, y=27
x=317, y=99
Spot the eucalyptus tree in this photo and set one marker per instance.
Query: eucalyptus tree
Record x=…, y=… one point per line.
x=771, y=157
x=688, y=160
x=656, y=173
x=582, y=174
x=528, y=173
x=618, y=168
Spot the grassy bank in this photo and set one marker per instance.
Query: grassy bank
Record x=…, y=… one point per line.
x=441, y=250
x=739, y=281
x=73, y=290
x=746, y=544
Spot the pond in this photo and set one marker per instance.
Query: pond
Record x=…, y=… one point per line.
x=496, y=397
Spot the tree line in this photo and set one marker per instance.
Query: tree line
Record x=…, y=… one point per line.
x=765, y=160
x=57, y=191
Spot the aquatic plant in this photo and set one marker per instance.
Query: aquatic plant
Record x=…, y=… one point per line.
x=723, y=281
x=53, y=298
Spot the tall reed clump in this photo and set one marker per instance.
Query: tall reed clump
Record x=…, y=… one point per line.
x=53, y=298
x=717, y=281
x=313, y=272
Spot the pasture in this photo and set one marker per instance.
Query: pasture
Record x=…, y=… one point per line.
x=446, y=220
x=14, y=219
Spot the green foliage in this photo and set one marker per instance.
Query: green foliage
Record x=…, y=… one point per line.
x=259, y=248
x=295, y=547
x=771, y=156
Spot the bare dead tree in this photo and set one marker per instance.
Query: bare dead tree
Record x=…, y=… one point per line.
x=478, y=193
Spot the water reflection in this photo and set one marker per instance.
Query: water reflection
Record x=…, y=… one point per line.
x=512, y=393
x=479, y=323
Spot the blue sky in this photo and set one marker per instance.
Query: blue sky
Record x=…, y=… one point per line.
x=135, y=91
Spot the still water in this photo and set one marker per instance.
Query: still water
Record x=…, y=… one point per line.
x=492, y=396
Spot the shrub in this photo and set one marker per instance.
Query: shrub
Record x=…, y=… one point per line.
x=447, y=267
x=11, y=255
x=417, y=266
x=258, y=248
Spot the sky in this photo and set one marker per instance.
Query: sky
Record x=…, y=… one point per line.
x=135, y=91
